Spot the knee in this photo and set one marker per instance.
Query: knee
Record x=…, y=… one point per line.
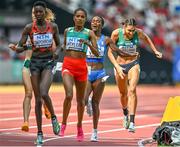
x=95, y=103
x=132, y=92
x=38, y=102
x=28, y=94
x=44, y=94
x=81, y=102
x=123, y=94
x=69, y=96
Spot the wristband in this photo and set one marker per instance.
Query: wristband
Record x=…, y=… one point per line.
x=27, y=63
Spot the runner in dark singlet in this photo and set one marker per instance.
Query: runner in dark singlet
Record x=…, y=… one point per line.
x=27, y=81
x=42, y=33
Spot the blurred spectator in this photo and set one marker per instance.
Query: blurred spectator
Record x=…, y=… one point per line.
x=4, y=50
x=159, y=19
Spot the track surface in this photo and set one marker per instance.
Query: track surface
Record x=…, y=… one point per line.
x=152, y=101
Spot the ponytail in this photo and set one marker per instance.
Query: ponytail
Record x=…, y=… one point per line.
x=50, y=16
x=33, y=16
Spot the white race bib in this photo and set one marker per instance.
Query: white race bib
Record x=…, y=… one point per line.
x=74, y=43
x=43, y=40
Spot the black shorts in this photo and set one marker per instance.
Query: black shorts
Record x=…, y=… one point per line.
x=127, y=67
x=38, y=65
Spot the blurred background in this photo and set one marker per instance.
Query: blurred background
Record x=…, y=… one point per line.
x=160, y=19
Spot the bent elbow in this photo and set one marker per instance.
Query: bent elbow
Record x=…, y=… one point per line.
x=97, y=54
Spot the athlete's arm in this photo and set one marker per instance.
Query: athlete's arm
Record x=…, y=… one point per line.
x=93, y=45
x=110, y=54
x=115, y=35
x=16, y=48
x=114, y=48
x=148, y=41
x=24, y=37
x=56, y=40
x=64, y=43
x=113, y=60
x=21, y=46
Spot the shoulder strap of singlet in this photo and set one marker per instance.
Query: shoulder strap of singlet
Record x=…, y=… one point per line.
x=70, y=29
x=48, y=26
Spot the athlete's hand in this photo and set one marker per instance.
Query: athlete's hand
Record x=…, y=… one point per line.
x=55, y=56
x=158, y=54
x=12, y=46
x=119, y=71
x=62, y=48
x=84, y=41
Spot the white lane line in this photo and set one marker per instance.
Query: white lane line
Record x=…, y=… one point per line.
x=86, y=121
x=140, y=143
x=71, y=114
x=106, y=131
x=17, y=141
x=19, y=105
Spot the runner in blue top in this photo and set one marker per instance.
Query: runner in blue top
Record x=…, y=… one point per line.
x=127, y=68
x=96, y=74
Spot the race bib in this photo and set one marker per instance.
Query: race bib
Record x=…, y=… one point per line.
x=129, y=48
x=43, y=40
x=74, y=43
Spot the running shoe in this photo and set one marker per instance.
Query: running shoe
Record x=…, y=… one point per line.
x=89, y=109
x=39, y=140
x=56, y=126
x=63, y=127
x=126, y=122
x=80, y=134
x=94, y=136
x=46, y=112
x=131, y=127
x=25, y=126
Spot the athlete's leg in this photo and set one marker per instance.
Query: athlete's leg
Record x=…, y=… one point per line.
x=68, y=82
x=80, y=93
x=46, y=111
x=27, y=98
x=133, y=77
x=35, y=80
x=88, y=92
x=122, y=86
x=28, y=93
x=46, y=81
x=98, y=88
x=88, y=99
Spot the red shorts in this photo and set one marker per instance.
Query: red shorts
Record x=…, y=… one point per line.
x=75, y=67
